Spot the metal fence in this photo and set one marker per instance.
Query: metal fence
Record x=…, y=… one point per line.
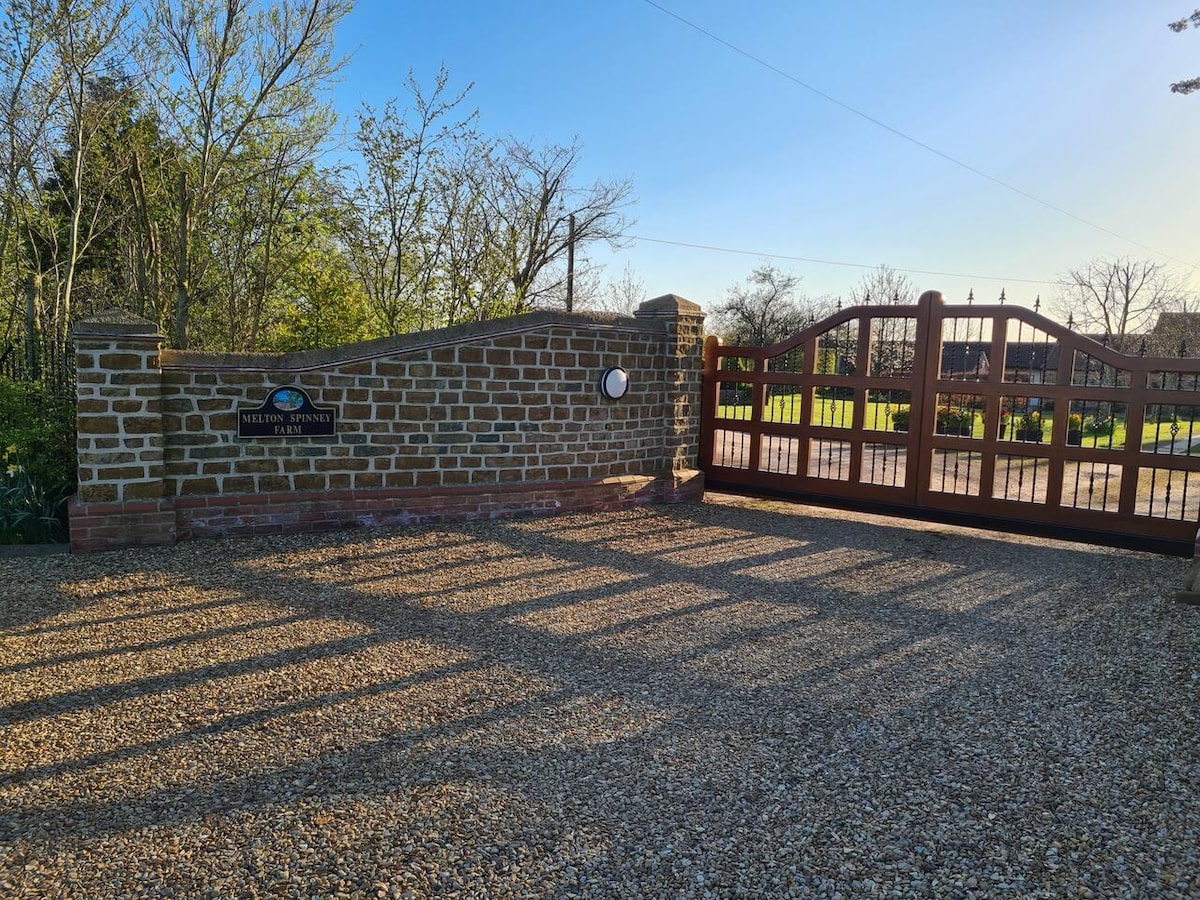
x=46, y=362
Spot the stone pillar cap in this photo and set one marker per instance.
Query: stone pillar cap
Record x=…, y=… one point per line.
x=669, y=305
x=115, y=322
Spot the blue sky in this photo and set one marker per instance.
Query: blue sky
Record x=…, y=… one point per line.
x=1068, y=101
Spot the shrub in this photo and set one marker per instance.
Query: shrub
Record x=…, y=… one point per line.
x=1030, y=421
x=30, y=511
x=956, y=418
x=1099, y=426
x=37, y=441
x=828, y=392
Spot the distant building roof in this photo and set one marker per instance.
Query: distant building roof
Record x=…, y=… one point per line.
x=1176, y=321
x=1174, y=333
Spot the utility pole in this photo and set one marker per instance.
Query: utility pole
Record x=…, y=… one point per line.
x=571, y=264
x=183, y=275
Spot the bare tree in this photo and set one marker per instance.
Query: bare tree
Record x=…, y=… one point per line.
x=1190, y=84
x=1116, y=298
x=417, y=182
x=621, y=295
x=89, y=40
x=587, y=290
x=470, y=284
x=883, y=285
x=452, y=226
x=765, y=309
x=532, y=201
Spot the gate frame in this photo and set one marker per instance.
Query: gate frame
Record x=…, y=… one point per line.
x=916, y=497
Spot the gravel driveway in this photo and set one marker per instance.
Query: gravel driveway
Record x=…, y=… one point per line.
x=723, y=699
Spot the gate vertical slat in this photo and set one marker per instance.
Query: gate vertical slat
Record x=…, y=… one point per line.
x=757, y=391
x=1135, y=417
x=858, y=417
x=807, y=396
x=708, y=399
x=929, y=339
x=1058, y=431
x=992, y=408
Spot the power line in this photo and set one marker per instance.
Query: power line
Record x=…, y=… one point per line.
x=834, y=262
x=907, y=137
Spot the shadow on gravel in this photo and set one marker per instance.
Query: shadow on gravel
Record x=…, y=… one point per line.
x=598, y=697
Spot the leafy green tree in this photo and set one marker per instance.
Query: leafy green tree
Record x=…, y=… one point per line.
x=327, y=307
x=145, y=233
x=162, y=156
x=27, y=96
x=61, y=91
x=268, y=227
x=87, y=41
x=91, y=210
x=238, y=78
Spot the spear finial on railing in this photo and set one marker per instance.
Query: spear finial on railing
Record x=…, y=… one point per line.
x=1071, y=321
x=1037, y=303
x=1142, y=349
x=1001, y=296
x=971, y=297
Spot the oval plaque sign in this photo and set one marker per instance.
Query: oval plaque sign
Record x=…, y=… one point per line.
x=287, y=412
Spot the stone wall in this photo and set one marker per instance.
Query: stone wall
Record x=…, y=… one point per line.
x=494, y=418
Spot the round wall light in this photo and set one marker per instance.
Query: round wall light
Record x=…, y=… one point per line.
x=614, y=383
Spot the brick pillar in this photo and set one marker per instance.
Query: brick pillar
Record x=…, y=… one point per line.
x=683, y=364
x=122, y=499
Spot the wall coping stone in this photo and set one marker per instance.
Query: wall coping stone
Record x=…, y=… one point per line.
x=362, y=351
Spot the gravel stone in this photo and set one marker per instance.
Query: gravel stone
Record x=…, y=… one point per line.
x=728, y=699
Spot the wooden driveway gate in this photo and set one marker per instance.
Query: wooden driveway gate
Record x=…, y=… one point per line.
x=992, y=414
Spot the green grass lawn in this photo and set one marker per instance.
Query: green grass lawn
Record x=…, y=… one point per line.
x=878, y=417
x=825, y=411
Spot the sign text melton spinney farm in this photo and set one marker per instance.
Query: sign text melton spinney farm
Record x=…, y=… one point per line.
x=286, y=412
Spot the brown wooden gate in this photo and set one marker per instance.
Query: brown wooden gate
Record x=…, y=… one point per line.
x=992, y=414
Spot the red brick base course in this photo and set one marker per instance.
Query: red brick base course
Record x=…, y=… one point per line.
x=134, y=523
x=101, y=526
